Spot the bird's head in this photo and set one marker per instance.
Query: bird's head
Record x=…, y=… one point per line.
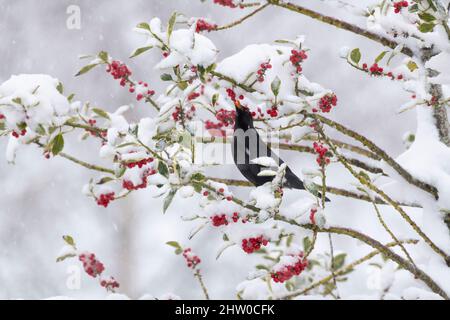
x=244, y=119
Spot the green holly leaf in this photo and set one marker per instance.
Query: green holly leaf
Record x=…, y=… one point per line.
x=166, y=77
x=426, y=27
x=380, y=56
x=17, y=100
x=86, y=69
x=60, y=88
x=176, y=245
x=355, y=56
x=198, y=176
x=338, y=261
x=426, y=17
x=144, y=25
x=69, y=240
x=215, y=98
x=307, y=243
x=140, y=51
x=171, y=25
x=66, y=256
x=412, y=66
x=169, y=199
x=163, y=169
x=414, y=8
x=101, y=113
x=57, y=144
x=105, y=180
x=104, y=56
x=275, y=86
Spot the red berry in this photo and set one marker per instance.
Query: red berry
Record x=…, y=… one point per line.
x=192, y=260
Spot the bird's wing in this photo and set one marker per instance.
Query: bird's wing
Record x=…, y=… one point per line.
x=248, y=146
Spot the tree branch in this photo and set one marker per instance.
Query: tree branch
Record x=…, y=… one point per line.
x=333, y=190
x=380, y=152
x=85, y=164
x=340, y=24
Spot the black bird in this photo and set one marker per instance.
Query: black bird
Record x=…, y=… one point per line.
x=248, y=145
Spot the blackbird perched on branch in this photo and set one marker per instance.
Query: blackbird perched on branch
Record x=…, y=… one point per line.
x=248, y=145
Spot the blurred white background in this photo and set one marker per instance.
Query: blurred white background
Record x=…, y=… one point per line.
x=40, y=200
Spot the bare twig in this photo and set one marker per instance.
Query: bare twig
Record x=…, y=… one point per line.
x=389, y=231
x=238, y=22
x=198, y=275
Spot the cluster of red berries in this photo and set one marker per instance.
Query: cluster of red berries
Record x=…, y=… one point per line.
x=399, y=5
x=91, y=265
x=144, y=91
x=326, y=103
x=376, y=70
x=2, y=116
x=273, y=111
x=192, y=260
x=110, y=284
x=129, y=185
x=120, y=71
x=232, y=95
x=262, y=71
x=104, y=199
x=254, y=244
x=202, y=25
x=226, y=3
x=297, y=57
x=312, y=215
x=221, y=220
x=321, y=151
x=21, y=133
x=139, y=163
x=92, y=123
x=289, y=271
x=181, y=114
x=225, y=119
